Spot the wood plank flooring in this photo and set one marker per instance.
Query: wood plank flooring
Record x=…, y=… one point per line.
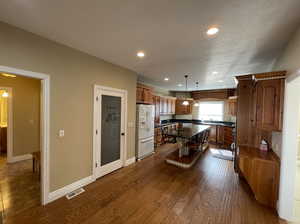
x=152, y=191
x=19, y=187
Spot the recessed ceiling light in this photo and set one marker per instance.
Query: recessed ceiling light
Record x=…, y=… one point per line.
x=166, y=79
x=215, y=73
x=220, y=81
x=180, y=85
x=140, y=54
x=9, y=75
x=212, y=31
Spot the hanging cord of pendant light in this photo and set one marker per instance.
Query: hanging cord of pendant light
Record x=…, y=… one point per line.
x=186, y=102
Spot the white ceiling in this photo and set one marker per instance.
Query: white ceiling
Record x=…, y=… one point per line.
x=172, y=33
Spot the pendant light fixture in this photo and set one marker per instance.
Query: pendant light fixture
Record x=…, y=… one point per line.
x=5, y=94
x=196, y=104
x=185, y=102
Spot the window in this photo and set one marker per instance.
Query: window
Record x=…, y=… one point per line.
x=210, y=111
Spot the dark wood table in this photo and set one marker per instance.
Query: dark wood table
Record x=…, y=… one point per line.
x=184, y=157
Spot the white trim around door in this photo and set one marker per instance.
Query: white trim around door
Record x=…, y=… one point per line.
x=99, y=171
x=45, y=126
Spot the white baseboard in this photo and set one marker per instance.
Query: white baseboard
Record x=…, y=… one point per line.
x=130, y=161
x=54, y=195
x=15, y=159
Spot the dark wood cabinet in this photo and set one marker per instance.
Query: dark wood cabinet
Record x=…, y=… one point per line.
x=183, y=109
x=144, y=94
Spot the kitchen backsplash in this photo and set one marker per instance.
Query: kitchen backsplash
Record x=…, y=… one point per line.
x=165, y=117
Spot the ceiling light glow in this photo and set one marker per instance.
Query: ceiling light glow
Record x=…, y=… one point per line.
x=212, y=31
x=166, y=79
x=140, y=54
x=5, y=94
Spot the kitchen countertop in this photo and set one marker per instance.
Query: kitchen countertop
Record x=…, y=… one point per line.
x=173, y=121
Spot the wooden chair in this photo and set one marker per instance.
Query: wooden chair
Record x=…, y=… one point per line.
x=166, y=138
x=196, y=142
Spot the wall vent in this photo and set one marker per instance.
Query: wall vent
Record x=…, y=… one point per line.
x=75, y=193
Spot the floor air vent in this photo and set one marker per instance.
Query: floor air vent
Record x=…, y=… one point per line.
x=74, y=193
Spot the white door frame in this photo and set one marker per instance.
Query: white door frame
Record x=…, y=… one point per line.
x=290, y=131
x=96, y=123
x=45, y=126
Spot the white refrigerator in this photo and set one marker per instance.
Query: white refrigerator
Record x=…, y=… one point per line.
x=145, y=130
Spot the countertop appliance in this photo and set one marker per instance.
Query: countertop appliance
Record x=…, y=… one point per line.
x=145, y=130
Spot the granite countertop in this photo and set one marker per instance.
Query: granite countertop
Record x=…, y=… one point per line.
x=172, y=121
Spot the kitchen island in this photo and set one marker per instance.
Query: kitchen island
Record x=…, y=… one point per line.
x=190, y=139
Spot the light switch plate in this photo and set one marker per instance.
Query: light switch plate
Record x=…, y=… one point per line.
x=61, y=133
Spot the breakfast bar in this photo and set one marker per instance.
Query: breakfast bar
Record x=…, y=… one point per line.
x=190, y=139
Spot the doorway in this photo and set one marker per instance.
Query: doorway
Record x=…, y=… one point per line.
x=44, y=126
x=20, y=143
x=110, y=113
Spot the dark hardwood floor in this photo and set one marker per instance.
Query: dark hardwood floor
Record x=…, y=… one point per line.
x=19, y=187
x=152, y=191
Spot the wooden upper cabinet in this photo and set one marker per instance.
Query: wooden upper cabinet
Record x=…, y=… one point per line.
x=156, y=102
x=162, y=101
x=259, y=107
x=144, y=94
x=182, y=109
x=139, y=94
x=167, y=105
x=221, y=94
x=232, y=107
x=148, y=96
x=173, y=105
x=269, y=104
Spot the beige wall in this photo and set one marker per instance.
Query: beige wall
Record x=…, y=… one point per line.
x=73, y=76
x=26, y=113
x=289, y=61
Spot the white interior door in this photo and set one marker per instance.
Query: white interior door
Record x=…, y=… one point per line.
x=110, y=111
